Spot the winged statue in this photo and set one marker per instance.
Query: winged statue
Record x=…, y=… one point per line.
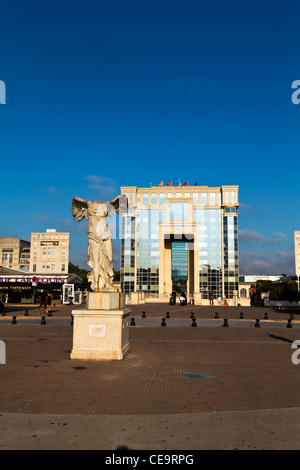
x=100, y=252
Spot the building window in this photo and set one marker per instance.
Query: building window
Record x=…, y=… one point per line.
x=204, y=199
x=195, y=199
x=7, y=258
x=145, y=199
x=212, y=199
x=243, y=293
x=162, y=199
x=34, y=268
x=154, y=199
x=63, y=268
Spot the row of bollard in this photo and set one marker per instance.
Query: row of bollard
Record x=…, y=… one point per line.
x=225, y=324
x=43, y=320
x=163, y=320
x=14, y=320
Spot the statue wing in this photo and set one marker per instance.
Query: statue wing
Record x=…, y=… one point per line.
x=79, y=209
x=119, y=203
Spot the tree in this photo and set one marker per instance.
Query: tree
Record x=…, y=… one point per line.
x=286, y=290
x=73, y=269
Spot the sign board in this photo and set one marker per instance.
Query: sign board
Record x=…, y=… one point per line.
x=29, y=279
x=68, y=293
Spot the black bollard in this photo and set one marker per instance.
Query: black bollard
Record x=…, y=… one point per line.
x=216, y=315
x=132, y=322
x=26, y=313
x=225, y=324
x=43, y=322
x=168, y=315
x=257, y=325
x=194, y=322
x=266, y=316
x=144, y=315
x=241, y=316
x=14, y=320
x=163, y=322
x=289, y=323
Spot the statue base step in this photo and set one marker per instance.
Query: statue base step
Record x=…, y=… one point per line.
x=100, y=334
x=105, y=300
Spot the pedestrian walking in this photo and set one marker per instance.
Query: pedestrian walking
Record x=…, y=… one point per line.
x=49, y=298
x=43, y=302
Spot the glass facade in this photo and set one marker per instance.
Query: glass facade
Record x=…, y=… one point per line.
x=127, y=254
x=208, y=218
x=231, y=263
x=210, y=251
x=147, y=250
x=179, y=260
x=179, y=211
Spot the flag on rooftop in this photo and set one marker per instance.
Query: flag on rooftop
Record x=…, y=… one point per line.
x=196, y=184
x=185, y=184
x=178, y=182
x=160, y=184
x=169, y=183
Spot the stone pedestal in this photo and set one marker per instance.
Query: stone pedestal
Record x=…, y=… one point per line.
x=137, y=298
x=197, y=298
x=101, y=332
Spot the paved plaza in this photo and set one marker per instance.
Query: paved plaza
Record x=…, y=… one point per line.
x=179, y=388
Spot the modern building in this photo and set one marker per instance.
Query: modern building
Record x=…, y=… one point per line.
x=258, y=277
x=15, y=253
x=180, y=234
x=49, y=252
x=297, y=253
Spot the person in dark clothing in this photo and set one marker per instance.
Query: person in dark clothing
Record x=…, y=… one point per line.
x=43, y=302
x=49, y=297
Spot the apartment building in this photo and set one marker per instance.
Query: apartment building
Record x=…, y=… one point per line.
x=15, y=253
x=49, y=252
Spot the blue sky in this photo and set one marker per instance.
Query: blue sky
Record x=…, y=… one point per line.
x=101, y=94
